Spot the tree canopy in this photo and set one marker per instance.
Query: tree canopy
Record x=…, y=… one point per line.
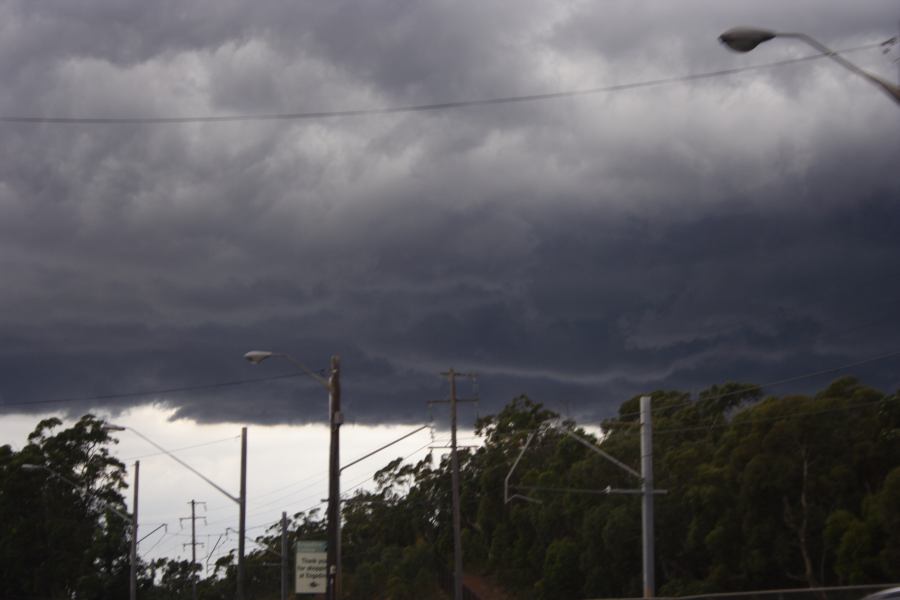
x=762, y=492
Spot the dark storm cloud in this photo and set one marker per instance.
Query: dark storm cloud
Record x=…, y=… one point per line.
x=581, y=250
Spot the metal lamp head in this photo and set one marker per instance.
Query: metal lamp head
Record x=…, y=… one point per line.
x=111, y=427
x=28, y=467
x=257, y=356
x=745, y=39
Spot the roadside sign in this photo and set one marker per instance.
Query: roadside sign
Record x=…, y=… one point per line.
x=311, y=567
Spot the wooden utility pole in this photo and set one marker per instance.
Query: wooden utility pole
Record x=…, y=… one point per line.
x=451, y=375
x=335, y=418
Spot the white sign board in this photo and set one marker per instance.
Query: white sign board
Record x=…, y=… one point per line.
x=311, y=568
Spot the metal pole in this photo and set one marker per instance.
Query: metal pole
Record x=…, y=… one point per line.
x=242, y=517
x=193, y=551
x=284, y=556
x=132, y=588
x=454, y=461
x=647, y=488
x=335, y=418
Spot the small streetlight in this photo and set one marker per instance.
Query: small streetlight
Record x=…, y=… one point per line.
x=745, y=39
x=240, y=500
x=335, y=419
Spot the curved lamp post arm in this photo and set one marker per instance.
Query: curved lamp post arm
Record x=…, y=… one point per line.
x=257, y=356
x=745, y=39
x=892, y=90
x=176, y=459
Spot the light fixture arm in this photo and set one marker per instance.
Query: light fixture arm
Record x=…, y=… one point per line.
x=892, y=90
x=257, y=356
x=179, y=461
x=324, y=382
x=745, y=39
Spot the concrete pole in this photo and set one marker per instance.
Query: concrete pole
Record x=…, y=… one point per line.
x=284, y=556
x=335, y=418
x=132, y=587
x=242, y=516
x=193, y=550
x=647, y=489
x=454, y=461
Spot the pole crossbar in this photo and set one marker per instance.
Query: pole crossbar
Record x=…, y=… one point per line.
x=592, y=447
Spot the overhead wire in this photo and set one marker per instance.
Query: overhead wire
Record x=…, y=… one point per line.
x=795, y=415
x=418, y=108
x=146, y=553
x=260, y=508
x=210, y=443
x=158, y=392
x=775, y=383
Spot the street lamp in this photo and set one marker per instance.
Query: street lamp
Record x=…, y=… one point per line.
x=132, y=588
x=745, y=39
x=241, y=500
x=131, y=520
x=335, y=419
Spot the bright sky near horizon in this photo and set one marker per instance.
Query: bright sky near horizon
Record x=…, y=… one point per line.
x=286, y=470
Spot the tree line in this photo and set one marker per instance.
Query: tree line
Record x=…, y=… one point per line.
x=762, y=492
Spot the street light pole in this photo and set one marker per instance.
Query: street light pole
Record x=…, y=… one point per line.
x=242, y=517
x=745, y=39
x=241, y=501
x=335, y=420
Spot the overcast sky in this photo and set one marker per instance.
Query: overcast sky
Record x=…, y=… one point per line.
x=580, y=250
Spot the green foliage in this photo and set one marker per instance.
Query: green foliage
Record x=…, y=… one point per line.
x=60, y=541
x=762, y=492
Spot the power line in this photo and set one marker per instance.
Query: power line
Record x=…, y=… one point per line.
x=316, y=115
x=174, y=390
x=368, y=479
x=778, y=382
x=228, y=439
x=795, y=415
x=259, y=509
x=346, y=491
